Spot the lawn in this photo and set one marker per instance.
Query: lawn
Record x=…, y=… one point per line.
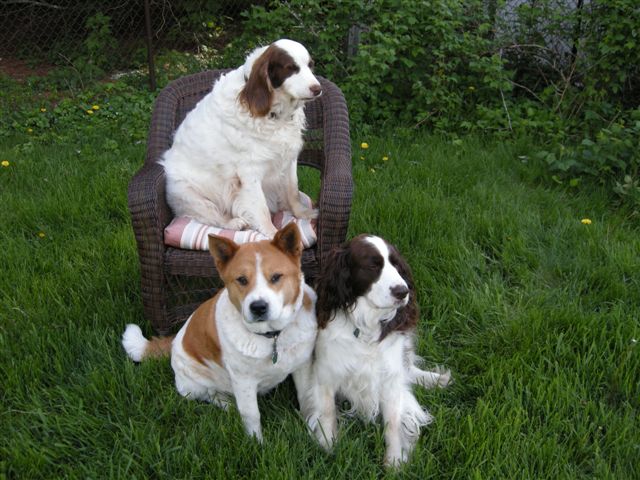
x=535, y=312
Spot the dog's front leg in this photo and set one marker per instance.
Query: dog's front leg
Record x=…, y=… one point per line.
x=293, y=195
x=391, y=415
x=324, y=422
x=440, y=377
x=250, y=204
x=246, y=394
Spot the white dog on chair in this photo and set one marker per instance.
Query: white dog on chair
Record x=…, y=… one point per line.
x=234, y=157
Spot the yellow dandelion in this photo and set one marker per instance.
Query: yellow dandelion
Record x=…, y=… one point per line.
x=90, y=112
x=372, y=170
x=96, y=107
x=472, y=88
x=361, y=158
x=5, y=163
x=29, y=130
x=41, y=234
x=364, y=145
x=586, y=221
x=43, y=109
x=385, y=158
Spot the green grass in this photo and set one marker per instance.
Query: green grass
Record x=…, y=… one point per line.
x=535, y=313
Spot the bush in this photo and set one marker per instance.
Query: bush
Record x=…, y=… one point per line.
x=391, y=73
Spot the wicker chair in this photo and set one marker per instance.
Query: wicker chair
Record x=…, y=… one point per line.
x=175, y=281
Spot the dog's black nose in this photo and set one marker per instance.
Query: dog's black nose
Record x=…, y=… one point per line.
x=259, y=308
x=399, y=291
x=316, y=90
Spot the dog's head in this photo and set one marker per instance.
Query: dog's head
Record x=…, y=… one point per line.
x=370, y=269
x=284, y=68
x=264, y=278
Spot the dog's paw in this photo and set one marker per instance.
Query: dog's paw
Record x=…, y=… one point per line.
x=395, y=460
x=236, y=223
x=302, y=212
x=444, y=379
x=268, y=231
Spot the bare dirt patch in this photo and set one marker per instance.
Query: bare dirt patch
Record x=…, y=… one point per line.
x=20, y=70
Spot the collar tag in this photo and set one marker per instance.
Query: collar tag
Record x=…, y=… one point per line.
x=274, y=353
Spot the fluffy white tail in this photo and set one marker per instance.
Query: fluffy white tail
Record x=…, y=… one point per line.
x=138, y=348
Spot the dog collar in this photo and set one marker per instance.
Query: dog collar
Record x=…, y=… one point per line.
x=273, y=334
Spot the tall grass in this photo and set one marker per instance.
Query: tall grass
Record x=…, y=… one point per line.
x=535, y=313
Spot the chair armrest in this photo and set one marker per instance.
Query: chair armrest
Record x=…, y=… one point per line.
x=336, y=182
x=147, y=203
x=149, y=215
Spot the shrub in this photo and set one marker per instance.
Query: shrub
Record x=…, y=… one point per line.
x=418, y=63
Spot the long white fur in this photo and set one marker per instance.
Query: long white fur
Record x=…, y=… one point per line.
x=229, y=169
x=376, y=377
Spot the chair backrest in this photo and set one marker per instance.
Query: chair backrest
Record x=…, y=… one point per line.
x=181, y=96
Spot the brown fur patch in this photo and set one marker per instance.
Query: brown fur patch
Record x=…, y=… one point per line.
x=306, y=301
x=201, y=337
x=281, y=256
x=269, y=71
x=276, y=264
x=158, y=347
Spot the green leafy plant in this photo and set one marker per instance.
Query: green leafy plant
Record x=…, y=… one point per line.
x=611, y=157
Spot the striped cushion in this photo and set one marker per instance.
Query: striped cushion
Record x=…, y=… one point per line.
x=189, y=234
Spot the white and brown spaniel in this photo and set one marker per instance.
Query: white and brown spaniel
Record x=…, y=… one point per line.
x=367, y=314
x=234, y=157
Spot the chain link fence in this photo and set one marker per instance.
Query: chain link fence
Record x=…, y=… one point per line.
x=98, y=36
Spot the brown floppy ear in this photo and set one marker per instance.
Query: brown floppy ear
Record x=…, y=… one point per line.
x=288, y=240
x=257, y=93
x=222, y=250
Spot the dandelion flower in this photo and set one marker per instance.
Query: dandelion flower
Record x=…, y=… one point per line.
x=385, y=158
x=41, y=234
x=90, y=112
x=471, y=88
x=364, y=145
x=361, y=158
x=29, y=130
x=372, y=170
x=43, y=109
x=5, y=163
x=96, y=107
x=586, y=221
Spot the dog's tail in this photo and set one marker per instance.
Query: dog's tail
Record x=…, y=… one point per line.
x=139, y=348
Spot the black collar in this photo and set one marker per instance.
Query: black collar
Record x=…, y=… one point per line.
x=273, y=334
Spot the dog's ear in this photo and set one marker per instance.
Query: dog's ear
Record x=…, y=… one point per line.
x=333, y=285
x=406, y=317
x=288, y=240
x=222, y=250
x=257, y=93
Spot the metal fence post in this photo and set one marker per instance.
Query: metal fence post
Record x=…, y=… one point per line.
x=152, y=67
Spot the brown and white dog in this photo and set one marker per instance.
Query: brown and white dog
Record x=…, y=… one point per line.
x=233, y=159
x=247, y=338
x=367, y=315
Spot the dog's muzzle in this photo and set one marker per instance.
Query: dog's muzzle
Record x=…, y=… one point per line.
x=259, y=310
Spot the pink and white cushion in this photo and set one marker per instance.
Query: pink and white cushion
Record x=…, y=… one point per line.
x=189, y=234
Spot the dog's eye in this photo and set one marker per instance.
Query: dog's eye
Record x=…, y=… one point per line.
x=275, y=278
x=242, y=280
x=311, y=64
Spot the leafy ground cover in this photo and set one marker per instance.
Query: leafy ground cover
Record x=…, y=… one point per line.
x=534, y=309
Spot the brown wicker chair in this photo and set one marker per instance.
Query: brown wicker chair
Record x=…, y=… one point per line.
x=175, y=281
